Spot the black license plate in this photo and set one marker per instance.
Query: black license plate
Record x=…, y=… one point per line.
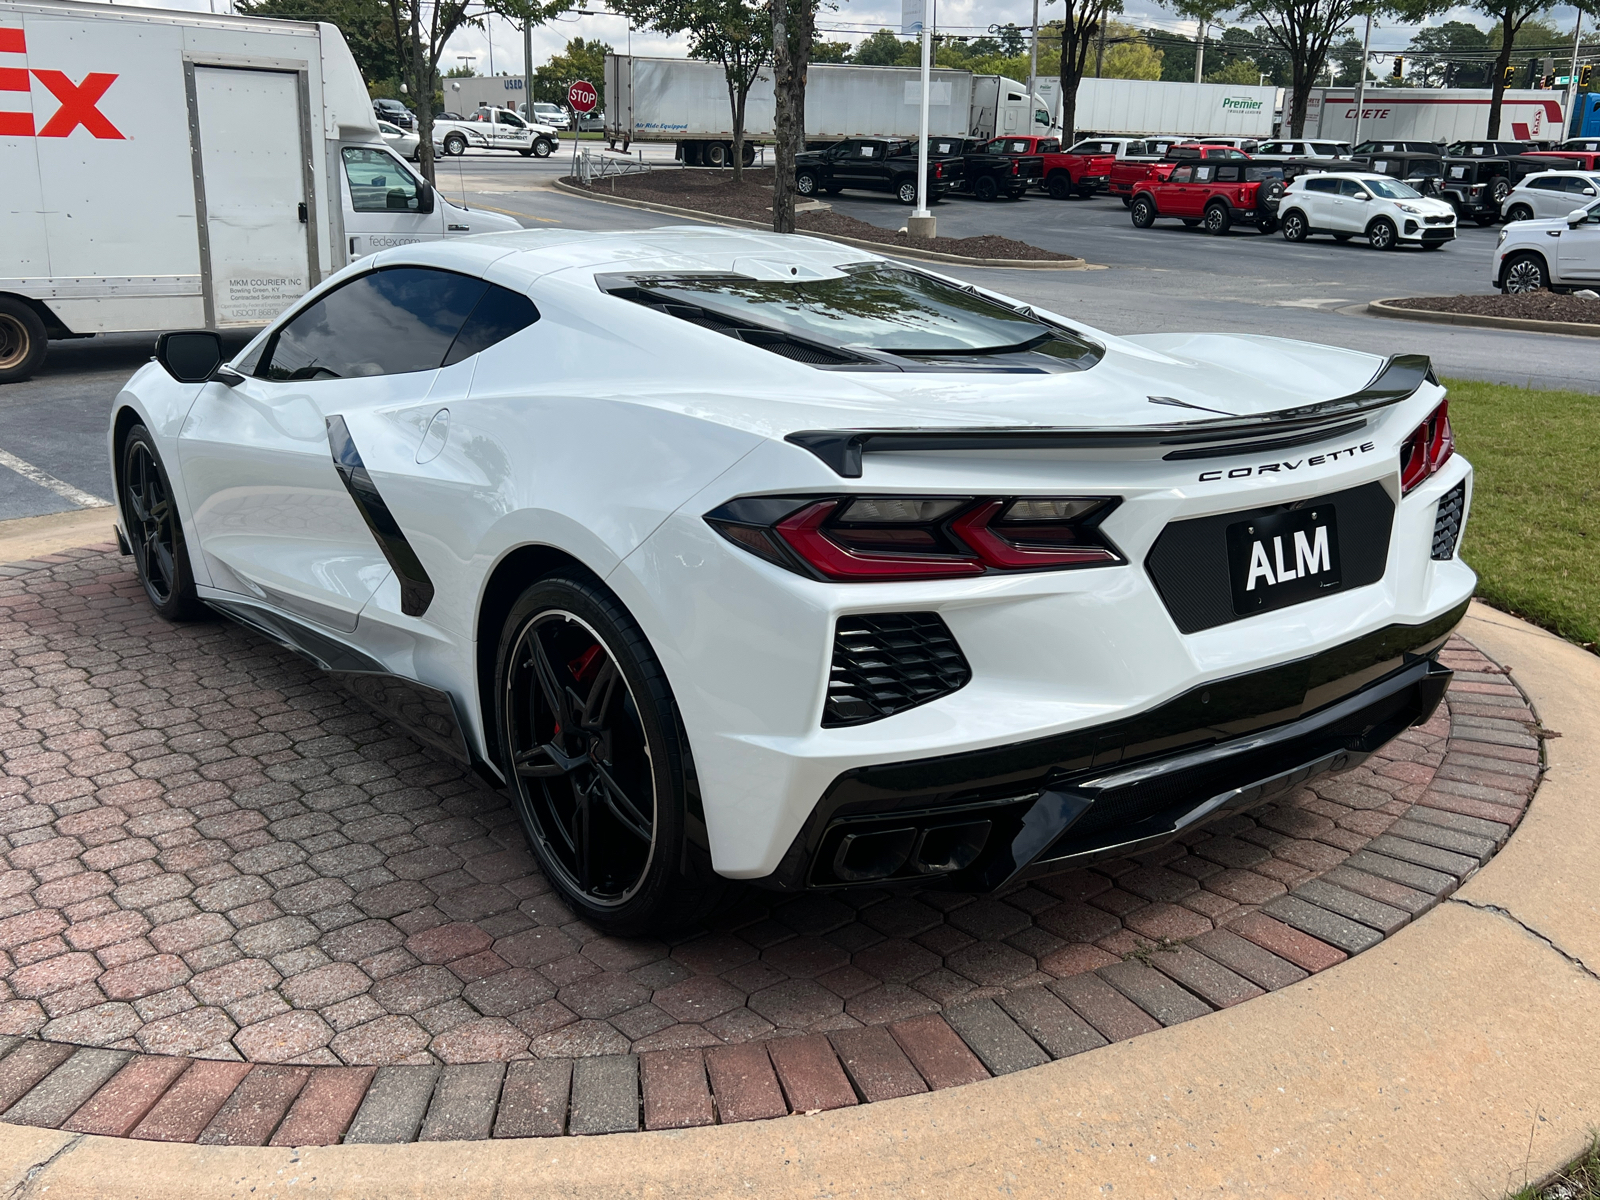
x=1283, y=558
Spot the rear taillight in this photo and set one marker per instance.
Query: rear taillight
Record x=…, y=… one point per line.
x=938, y=170
x=1427, y=449
x=1015, y=166
x=865, y=538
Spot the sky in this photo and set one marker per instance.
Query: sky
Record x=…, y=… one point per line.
x=852, y=20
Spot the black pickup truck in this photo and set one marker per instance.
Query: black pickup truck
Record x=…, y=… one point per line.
x=873, y=165
x=1001, y=167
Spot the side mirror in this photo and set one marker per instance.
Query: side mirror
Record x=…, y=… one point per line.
x=1577, y=217
x=424, y=198
x=1362, y=196
x=190, y=356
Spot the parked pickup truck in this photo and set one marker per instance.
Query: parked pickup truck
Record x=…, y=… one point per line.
x=1126, y=173
x=1080, y=171
x=997, y=168
x=874, y=165
x=496, y=129
x=1213, y=195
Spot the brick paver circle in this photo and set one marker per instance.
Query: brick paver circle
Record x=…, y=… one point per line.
x=214, y=852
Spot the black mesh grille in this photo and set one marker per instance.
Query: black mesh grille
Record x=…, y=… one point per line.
x=885, y=663
x=1447, y=525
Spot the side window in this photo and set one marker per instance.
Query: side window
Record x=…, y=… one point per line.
x=378, y=183
x=386, y=322
x=511, y=119
x=1049, y=146
x=867, y=150
x=1322, y=185
x=1183, y=174
x=1547, y=185
x=1349, y=187
x=498, y=315
x=1204, y=174
x=1228, y=174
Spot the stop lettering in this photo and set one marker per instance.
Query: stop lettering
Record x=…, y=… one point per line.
x=582, y=96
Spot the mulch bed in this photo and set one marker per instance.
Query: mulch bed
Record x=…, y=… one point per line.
x=1528, y=306
x=714, y=192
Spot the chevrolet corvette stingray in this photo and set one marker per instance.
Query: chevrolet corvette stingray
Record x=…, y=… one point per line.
x=741, y=556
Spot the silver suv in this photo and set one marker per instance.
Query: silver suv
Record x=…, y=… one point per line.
x=1561, y=253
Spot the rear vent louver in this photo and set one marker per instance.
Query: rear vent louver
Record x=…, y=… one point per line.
x=1447, y=525
x=776, y=341
x=885, y=663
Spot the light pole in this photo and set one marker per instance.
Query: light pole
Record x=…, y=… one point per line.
x=921, y=223
x=1361, y=82
x=1572, y=83
x=527, y=72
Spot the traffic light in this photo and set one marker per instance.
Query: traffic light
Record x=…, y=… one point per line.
x=1510, y=74
x=1548, y=82
x=1583, y=74
x=1399, y=67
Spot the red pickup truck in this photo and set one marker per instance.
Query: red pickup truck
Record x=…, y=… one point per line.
x=1067, y=173
x=1128, y=172
x=1212, y=194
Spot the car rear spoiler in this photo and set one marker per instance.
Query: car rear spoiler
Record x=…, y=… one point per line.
x=1401, y=376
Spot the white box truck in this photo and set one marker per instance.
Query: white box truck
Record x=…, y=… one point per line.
x=685, y=101
x=173, y=170
x=1441, y=115
x=1131, y=107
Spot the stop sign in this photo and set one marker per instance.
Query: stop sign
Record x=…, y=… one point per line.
x=582, y=96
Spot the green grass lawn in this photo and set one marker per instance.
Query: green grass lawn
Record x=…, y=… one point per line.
x=1534, y=532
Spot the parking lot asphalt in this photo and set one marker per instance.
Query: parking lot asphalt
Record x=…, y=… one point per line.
x=1163, y=279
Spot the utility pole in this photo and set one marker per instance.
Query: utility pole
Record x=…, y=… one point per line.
x=1572, y=83
x=1361, y=81
x=1033, y=58
x=1200, y=53
x=1100, y=45
x=914, y=19
x=527, y=74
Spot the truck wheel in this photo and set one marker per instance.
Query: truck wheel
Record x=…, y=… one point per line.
x=749, y=155
x=455, y=143
x=716, y=154
x=1218, y=220
x=1524, y=272
x=542, y=148
x=1144, y=212
x=906, y=190
x=1381, y=234
x=805, y=183
x=1059, y=185
x=23, y=340
x=1295, y=228
x=985, y=188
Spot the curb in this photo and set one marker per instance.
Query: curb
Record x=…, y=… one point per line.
x=885, y=248
x=1386, y=308
x=1451, y=821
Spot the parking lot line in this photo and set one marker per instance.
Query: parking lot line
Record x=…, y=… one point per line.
x=66, y=491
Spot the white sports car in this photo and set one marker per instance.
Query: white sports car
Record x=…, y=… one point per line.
x=759, y=557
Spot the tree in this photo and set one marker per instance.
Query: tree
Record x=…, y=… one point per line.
x=1304, y=31
x=1509, y=17
x=885, y=49
x=364, y=23
x=737, y=34
x=1455, y=45
x=794, y=29
x=1079, y=29
x=1236, y=71
x=1012, y=40
x=830, y=52
x=580, y=59
x=1129, y=55
x=1348, y=57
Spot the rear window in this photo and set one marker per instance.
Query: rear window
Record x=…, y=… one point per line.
x=1100, y=148
x=1007, y=146
x=1262, y=174
x=870, y=306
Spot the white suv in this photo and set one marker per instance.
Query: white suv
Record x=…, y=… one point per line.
x=1550, y=195
x=1385, y=211
x=1534, y=255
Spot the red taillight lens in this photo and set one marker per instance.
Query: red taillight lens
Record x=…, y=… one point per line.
x=1015, y=166
x=865, y=538
x=1427, y=449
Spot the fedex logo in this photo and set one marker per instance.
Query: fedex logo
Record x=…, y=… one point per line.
x=78, y=100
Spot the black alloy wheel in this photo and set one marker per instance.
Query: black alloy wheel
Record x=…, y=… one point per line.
x=1295, y=228
x=1382, y=235
x=1059, y=185
x=155, y=531
x=805, y=183
x=1218, y=220
x=597, y=761
x=1525, y=272
x=985, y=188
x=1143, y=212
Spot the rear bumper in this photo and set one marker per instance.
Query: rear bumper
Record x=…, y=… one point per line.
x=980, y=820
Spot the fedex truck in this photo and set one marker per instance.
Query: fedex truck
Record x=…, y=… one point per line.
x=1441, y=115
x=173, y=170
x=685, y=101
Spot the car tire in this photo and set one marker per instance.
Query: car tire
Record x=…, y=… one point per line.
x=1498, y=191
x=155, y=531
x=1218, y=220
x=906, y=191
x=1484, y=219
x=1143, y=212
x=1191, y=222
x=597, y=760
x=1524, y=272
x=1059, y=185
x=805, y=183
x=716, y=154
x=23, y=340
x=1382, y=235
x=1294, y=226
x=543, y=148
x=1520, y=212
x=985, y=188
x=455, y=144
x=1266, y=225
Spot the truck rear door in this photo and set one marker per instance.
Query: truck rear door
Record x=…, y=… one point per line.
x=252, y=155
